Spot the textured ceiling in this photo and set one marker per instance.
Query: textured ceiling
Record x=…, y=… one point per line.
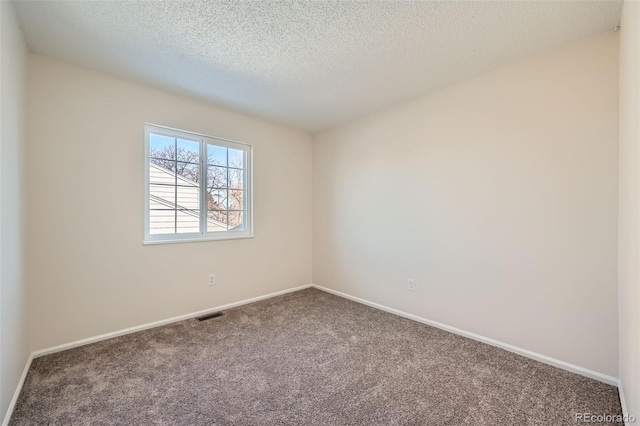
x=310, y=65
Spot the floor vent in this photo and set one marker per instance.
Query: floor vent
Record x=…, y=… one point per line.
x=210, y=316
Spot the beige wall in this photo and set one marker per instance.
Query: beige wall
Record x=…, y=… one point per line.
x=629, y=207
x=498, y=195
x=14, y=338
x=88, y=270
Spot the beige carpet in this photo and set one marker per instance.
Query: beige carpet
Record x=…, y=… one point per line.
x=307, y=358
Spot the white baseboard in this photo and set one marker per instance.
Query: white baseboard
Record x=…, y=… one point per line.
x=605, y=378
x=623, y=403
x=16, y=394
x=154, y=324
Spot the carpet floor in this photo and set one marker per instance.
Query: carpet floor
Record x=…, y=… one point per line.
x=305, y=358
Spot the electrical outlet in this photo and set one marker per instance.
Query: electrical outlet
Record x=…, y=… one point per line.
x=212, y=279
x=411, y=284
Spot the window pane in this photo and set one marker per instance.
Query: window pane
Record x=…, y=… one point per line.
x=162, y=194
x=162, y=147
x=187, y=221
x=187, y=224
x=216, y=177
x=217, y=221
x=162, y=175
x=236, y=158
x=236, y=179
x=218, y=199
x=162, y=221
x=162, y=214
x=188, y=198
x=188, y=151
x=236, y=221
x=216, y=155
x=162, y=151
x=235, y=199
x=189, y=172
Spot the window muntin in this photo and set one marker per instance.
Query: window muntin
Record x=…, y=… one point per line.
x=179, y=206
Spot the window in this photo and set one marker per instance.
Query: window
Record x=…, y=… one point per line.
x=197, y=187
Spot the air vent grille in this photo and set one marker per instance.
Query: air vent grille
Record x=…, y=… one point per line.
x=210, y=316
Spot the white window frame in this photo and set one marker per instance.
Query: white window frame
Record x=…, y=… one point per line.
x=203, y=235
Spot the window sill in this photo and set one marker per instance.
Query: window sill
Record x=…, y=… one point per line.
x=196, y=240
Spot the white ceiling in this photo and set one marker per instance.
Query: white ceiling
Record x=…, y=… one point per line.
x=311, y=65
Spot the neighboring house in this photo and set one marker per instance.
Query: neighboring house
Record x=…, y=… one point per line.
x=174, y=204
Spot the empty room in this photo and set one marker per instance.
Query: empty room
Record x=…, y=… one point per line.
x=319, y=212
